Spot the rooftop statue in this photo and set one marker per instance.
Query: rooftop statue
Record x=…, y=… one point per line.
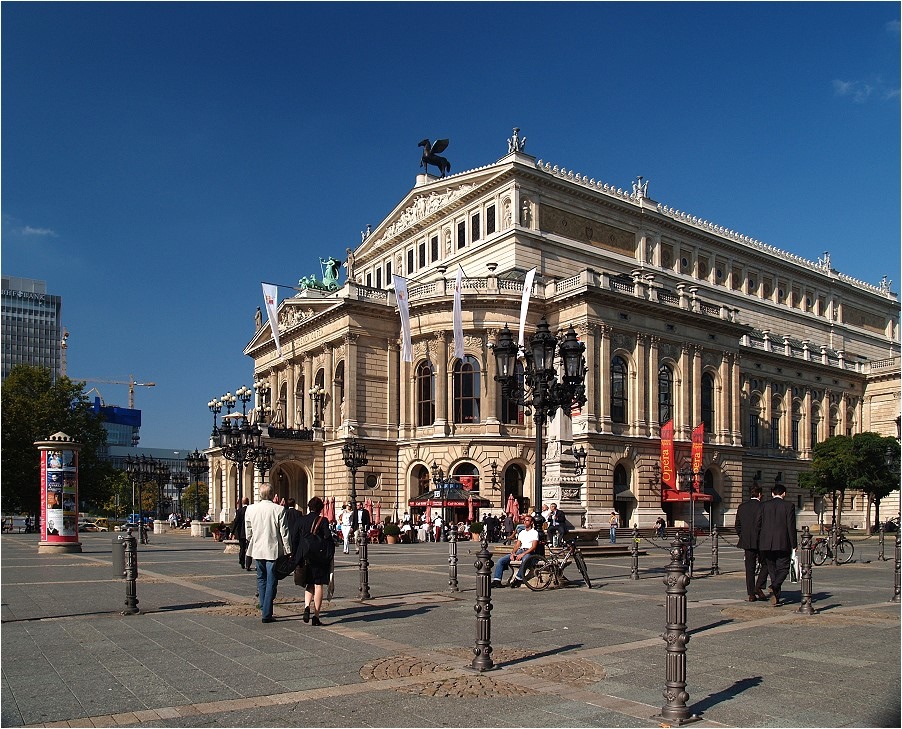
x=331, y=268
x=430, y=156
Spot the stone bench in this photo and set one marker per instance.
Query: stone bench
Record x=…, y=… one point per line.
x=232, y=546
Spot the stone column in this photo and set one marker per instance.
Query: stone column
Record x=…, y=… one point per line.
x=805, y=425
x=407, y=392
x=491, y=387
x=290, y=416
x=441, y=385
x=681, y=423
x=654, y=414
x=641, y=425
x=397, y=387
x=308, y=383
x=351, y=368
x=724, y=385
x=604, y=380
x=589, y=335
x=737, y=400
x=696, y=388
x=329, y=387
x=274, y=392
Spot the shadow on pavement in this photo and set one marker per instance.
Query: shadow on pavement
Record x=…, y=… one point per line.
x=728, y=693
x=543, y=654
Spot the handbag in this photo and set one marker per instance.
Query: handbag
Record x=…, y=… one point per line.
x=300, y=574
x=284, y=566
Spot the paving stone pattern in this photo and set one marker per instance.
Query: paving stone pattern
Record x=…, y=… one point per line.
x=198, y=654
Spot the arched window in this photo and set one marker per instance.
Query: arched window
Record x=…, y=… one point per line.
x=776, y=415
x=339, y=382
x=796, y=420
x=424, y=479
x=511, y=412
x=468, y=475
x=708, y=402
x=618, y=389
x=466, y=390
x=834, y=421
x=665, y=394
x=425, y=393
x=815, y=424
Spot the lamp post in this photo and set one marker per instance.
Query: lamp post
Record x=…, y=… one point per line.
x=318, y=398
x=494, y=466
x=438, y=478
x=244, y=394
x=263, y=410
x=689, y=478
x=180, y=481
x=161, y=476
x=580, y=455
x=215, y=408
x=354, y=454
x=239, y=442
x=196, y=463
x=548, y=389
x=229, y=401
x=141, y=470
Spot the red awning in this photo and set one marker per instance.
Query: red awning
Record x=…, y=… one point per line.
x=671, y=496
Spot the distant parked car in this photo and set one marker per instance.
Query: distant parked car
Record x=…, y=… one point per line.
x=128, y=525
x=90, y=526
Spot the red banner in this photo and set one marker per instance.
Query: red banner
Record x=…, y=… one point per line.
x=698, y=452
x=668, y=470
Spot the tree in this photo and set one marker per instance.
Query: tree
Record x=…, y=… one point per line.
x=830, y=468
x=870, y=471
x=34, y=407
x=200, y=488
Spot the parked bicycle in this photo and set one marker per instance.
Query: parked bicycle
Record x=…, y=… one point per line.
x=821, y=550
x=549, y=570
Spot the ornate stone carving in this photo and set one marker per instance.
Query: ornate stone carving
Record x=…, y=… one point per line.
x=421, y=208
x=570, y=494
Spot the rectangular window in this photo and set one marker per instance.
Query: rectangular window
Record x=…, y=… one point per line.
x=422, y=253
x=461, y=234
x=433, y=243
x=410, y=261
x=378, y=278
x=369, y=280
x=474, y=227
x=490, y=220
x=795, y=434
x=775, y=432
x=753, y=430
x=388, y=273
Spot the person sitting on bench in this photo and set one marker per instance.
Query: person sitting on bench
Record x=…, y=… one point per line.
x=527, y=542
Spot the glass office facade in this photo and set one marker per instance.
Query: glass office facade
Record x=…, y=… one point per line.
x=31, y=329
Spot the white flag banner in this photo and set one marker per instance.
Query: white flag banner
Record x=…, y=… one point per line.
x=458, y=316
x=400, y=285
x=524, y=303
x=271, y=297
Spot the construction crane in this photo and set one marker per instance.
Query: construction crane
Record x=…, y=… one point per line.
x=131, y=386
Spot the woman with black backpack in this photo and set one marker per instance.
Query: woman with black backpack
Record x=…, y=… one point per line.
x=318, y=562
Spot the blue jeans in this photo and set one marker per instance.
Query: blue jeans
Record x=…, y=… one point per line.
x=613, y=535
x=502, y=564
x=267, y=584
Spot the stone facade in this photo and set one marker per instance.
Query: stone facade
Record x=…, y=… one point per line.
x=772, y=351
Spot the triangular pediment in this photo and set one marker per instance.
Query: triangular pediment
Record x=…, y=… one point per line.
x=427, y=203
x=293, y=312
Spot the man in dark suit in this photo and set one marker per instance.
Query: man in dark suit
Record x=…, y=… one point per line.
x=238, y=532
x=777, y=538
x=747, y=530
x=361, y=520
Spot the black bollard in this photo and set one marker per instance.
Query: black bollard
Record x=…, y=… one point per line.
x=130, y=547
x=634, y=567
x=895, y=597
x=882, y=532
x=715, y=551
x=452, y=559
x=834, y=533
x=805, y=572
x=482, y=660
x=675, y=712
x=363, y=593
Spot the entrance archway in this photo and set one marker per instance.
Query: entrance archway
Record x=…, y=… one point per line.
x=625, y=501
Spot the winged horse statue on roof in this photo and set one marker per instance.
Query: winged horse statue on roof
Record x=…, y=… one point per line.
x=431, y=157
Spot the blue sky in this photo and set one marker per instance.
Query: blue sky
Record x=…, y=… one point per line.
x=160, y=160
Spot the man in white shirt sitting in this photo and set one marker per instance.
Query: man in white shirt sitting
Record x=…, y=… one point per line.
x=527, y=542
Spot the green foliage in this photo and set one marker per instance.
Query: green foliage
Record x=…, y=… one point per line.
x=391, y=530
x=35, y=407
x=476, y=527
x=188, y=498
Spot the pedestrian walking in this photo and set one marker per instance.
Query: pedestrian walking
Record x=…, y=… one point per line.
x=266, y=528
x=238, y=532
x=317, y=572
x=747, y=516
x=777, y=539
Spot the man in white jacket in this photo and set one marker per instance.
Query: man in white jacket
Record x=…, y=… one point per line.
x=266, y=530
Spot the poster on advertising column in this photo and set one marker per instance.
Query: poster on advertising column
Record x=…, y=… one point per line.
x=59, y=494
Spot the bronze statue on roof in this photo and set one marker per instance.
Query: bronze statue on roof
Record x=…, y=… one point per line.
x=430, y=156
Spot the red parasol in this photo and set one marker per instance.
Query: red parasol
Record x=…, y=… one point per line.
x=515, y=509
x=368, y=505
x=470, y=516
x=377, y=517
x=428, y=515
x=328, y=510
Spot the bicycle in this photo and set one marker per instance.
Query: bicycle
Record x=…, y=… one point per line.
x=821, y=550
x=549, y=570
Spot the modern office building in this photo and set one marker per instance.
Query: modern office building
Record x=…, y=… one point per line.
x=684, y=321
x=32, y=332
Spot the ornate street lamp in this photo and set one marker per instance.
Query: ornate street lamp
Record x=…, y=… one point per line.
x=180, y=481
x=196, y=463
x=243, y=395
x=263, y=409
x=494, y=466
x=229, y=401
x=161, y=476
x=141, y=470
x=240, y=443
x=354, y=455
x=215, y=408
x=544, y=388
x=318, y=398
x=690, y=479
x=264, y=461
x=580, y=455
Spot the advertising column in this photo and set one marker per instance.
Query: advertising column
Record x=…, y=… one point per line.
x=59, y=494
